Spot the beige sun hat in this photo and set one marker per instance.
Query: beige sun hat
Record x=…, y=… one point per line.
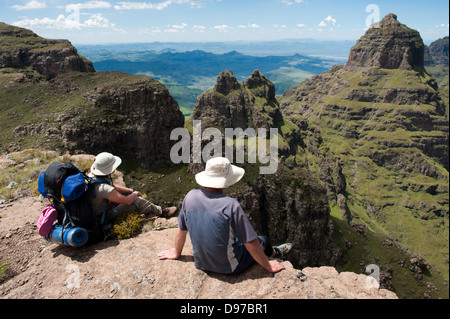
x=219, y=173
x=105, y=163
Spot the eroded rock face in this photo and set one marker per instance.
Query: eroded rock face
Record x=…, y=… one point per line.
x=383, y=117
x=293, y=208
x=21, y=49
x=388, y=44
x=231, y=104
x=125, y=115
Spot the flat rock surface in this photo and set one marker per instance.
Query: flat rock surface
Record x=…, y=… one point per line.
x=130, y=269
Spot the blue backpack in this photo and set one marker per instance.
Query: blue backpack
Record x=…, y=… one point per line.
x=69, y=191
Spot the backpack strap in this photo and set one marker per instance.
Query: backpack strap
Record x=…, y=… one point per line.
x=92, y=193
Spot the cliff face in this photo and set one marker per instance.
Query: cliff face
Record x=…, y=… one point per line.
x=126, y=114
x=231, y=104
x=437, y=53
x=381, y=121
x=389, y=45
x=292, y=206
x=53, y=99
x=23, y=49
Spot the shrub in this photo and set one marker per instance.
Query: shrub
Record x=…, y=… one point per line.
x=127, y=225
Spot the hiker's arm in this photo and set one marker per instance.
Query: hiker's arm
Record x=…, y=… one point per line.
x=125, y=190
x=118, y=198
x=255, y=249
x=175, y=253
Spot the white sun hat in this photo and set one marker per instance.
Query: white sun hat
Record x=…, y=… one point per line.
x=105, y=163
x=219, y=173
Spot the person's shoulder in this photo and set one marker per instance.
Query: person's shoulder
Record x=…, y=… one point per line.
x=102, y=187
x=193, y=193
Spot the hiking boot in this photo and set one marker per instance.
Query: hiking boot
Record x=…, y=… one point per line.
x=168, y=212
x=282, y=250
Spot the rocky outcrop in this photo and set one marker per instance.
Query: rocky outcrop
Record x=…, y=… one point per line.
x=293, y=208
x=387, y=44
x=103, y=111
x=80, y=110
x=437, y=53
x=23, y=49
x=126, y=115
x=231, y=104
x=131, y=269
x=384, y=119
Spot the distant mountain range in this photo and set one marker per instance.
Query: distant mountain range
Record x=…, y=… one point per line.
x=311, y=47
x=188, y=69
x=187, y=74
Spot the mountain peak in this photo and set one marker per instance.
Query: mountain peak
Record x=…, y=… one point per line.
x=387, y=44
x=258, y=80
x=226, y=83
x=390, y=20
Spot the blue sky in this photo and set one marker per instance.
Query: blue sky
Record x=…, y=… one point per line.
x=112, y=21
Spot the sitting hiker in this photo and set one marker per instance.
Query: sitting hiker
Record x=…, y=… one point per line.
x=116, y=199
x=222, y=237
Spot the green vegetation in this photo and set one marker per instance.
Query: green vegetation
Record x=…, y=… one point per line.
x=127, y=225
x=393, y=187
x=440, y=73
x=3, y=273
x=30, y=112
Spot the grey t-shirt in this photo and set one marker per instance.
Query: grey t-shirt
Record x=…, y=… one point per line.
x=217, y=227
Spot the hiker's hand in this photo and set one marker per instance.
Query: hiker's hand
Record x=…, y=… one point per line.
x=168, y=254
x=275, y=266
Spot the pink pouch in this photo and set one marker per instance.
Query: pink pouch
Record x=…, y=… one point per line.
x=46, y=220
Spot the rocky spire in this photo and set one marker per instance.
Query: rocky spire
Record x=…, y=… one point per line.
x=387, y=44
x=226, y=83
x=258, y=80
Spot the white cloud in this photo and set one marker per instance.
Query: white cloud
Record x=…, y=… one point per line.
x=328, y=21
x=301, y=25
x=222, y=28
x=291, y=2
x=331, y=20
x=97, y=20
x=33, y=4
x=63, y=22
x=249, y=25
x=90, y=5
x=131, y=5
x=199, y=28
x=182, y=26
